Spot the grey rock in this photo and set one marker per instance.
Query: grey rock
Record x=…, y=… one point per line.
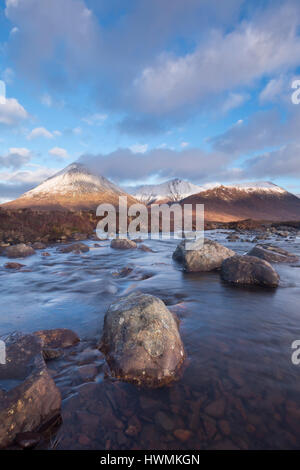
x=249, y=270
x=141, y=341
x=19, y=251
x=28, y=394
x=123, y=244
x=273, y=254
x=207, y=258
x=75, y=248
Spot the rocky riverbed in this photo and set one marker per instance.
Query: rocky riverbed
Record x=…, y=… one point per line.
x=238, y=388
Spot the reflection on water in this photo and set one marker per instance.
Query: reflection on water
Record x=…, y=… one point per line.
x=239, y=388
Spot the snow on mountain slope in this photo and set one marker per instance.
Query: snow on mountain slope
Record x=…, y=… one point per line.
x=75, y=178
x=173, y=190
x=177, y=189
x=75, y=187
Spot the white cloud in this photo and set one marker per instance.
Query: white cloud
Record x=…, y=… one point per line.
x=234, y=100
x=274, y=89
x=8, y=75
x=267, y=46
x=15, y=158
x=139, y=148
x=40, y=132
x=46, y=100
x=184, y=144
x=58, y=152
x=12, y=112
x=95, y=119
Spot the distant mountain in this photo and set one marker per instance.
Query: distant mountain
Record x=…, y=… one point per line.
x=258, y=201
x=74, y=187
x=170, y=191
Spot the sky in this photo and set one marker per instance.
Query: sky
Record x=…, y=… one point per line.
x=143, y=91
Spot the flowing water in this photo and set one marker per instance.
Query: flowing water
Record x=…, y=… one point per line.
x=239, y=388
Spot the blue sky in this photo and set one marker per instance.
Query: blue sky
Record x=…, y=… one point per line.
x=147, y=91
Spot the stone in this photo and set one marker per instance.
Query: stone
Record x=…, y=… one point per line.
x=14, y=266
x=28, y=394
x=123, y=244
x=28, y=440
x=75, y=248
x=38, y=246
x=207, y=258
x=19, y=251
x=216, y=408
x=57, y=338
x=249, y=270
x=145, y=248
x=141, y=341
x=273, y=254
x=182, y=435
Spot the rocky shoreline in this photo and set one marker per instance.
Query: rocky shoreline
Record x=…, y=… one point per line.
x=140, y=340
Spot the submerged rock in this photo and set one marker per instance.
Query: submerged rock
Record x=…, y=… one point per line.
x=145, y=248
x=57, y=338
x=28, y=394
x=207, y=258
x=39, y=246
x=122, y=244
x=14, y=266
x=249, y=270
x=75, y=248
x=141, y=341
x=273, y=254
x=19, y=251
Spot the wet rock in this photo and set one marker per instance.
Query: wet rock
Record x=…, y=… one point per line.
x=75, y=248
x=216, y=408
x=145, y=248
x=51, y=354
x=207, y=258
x=273, y=254
x=134, y=427
x=38, y=246
x=57, y=338
x=87, y=372
x=14, y=266
x=46, y=253
x=28, y=440
x=19, y=251
x=141, y=341
x=249, y=270
x=164, y=421
x=182, y=435
x=225, y=427
x=28, y=394
x=123, y=272
x=123, y=244
x=79, y=236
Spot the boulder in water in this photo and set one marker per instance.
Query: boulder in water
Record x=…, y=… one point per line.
x=273, y=254
x=249, y=270
x=75, y=248
x=206, y=258
x=141, y=341
x=123, y=244
x=28, y=394
x=19, y=251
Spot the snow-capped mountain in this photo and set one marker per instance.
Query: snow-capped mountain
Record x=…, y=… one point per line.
x=258, y=201
x=170, y=191
x=74, y=187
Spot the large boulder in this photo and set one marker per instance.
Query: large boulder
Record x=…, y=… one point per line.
x=207, y=258
x=75, y=248
x=249, y=270
x=122, y=244
x=273, y=254
x=19, y=251
x=28, y=394
x=141, y=341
